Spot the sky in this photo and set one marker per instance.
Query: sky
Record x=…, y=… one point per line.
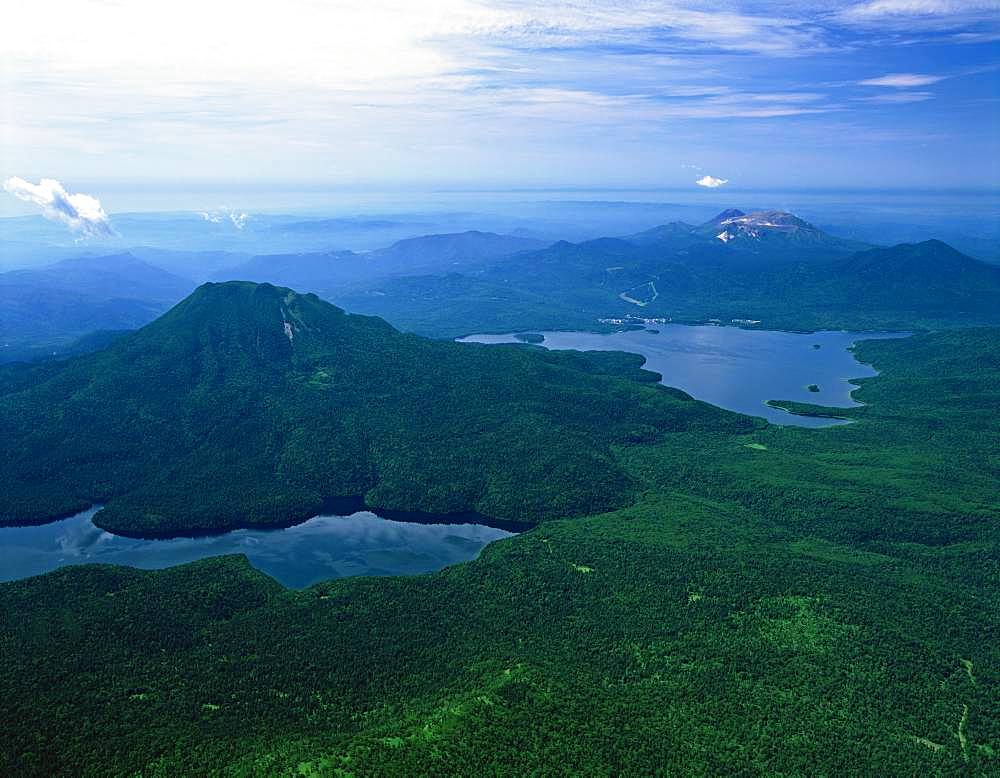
x=501, y=93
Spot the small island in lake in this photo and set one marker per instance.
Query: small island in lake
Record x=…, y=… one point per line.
x=813, y=387
x=530, y=337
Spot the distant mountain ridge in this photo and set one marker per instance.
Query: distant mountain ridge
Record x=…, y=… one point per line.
x=767, y=266
x=931, y=259
x=46, y=309
x=106, y=277
x=330, y=272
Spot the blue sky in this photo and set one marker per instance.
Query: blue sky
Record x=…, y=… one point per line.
x=879, y=93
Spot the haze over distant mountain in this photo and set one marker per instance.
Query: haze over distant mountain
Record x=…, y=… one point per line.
x=266, y=403
x=114, y=276
x=199, y=266
x=47, y=308
x=329, y=272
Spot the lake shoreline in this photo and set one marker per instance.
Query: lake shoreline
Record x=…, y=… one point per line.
x=324, y=547
x=747, y=370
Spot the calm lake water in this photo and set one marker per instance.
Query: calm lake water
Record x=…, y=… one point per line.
x=322, y=548
x=738, y=369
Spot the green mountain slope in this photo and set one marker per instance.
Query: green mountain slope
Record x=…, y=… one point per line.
x=804, y=284
x=265, y=404
x=784, y=602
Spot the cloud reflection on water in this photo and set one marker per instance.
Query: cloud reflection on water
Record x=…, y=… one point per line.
x=321, y=548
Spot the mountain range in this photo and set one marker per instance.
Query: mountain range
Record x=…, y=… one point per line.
x=45, y=310
x=765, y=266
x=768, y=266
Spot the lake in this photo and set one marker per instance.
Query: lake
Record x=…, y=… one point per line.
x=322, y=548
x=738, y=369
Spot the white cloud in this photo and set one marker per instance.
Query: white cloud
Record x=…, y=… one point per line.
x=80, y=212
x=711, y=182
x=903, y=80
x=888, y=9
x=538, y=23
x=899, y=98
x=238, y=218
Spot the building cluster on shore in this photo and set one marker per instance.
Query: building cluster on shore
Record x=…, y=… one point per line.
x=635, y=320
x=618, y=321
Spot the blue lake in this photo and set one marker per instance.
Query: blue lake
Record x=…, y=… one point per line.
x=738, y=369
x=733, y=368
x=319, y=549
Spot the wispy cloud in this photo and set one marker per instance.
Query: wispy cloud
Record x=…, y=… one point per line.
x=898, y=98
x=884, y=8
x=922, y=14
x=80, y=212
x=653, y=25
x=903, y=80
x=711, y=182
x=462, y=88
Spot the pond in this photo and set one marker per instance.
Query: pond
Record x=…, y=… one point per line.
x=322, y=548
x=734, y=368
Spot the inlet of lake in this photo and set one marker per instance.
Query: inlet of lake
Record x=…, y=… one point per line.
x=734, y=368
x=322, y=548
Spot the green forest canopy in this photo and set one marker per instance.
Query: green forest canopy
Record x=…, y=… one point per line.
x=777, y=601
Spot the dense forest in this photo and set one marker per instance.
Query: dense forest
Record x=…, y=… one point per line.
x=267, y=404
x=691, y=277
x=775, y=600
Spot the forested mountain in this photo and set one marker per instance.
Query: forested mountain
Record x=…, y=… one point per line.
x=779, y=601
x=788, y=275
x=266, y=403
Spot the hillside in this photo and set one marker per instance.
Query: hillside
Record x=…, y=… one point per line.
x=783, y=602
x=266, y=403
x=788, y=279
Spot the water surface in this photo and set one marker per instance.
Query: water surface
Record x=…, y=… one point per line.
x=319, y=549
x=738, y=369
